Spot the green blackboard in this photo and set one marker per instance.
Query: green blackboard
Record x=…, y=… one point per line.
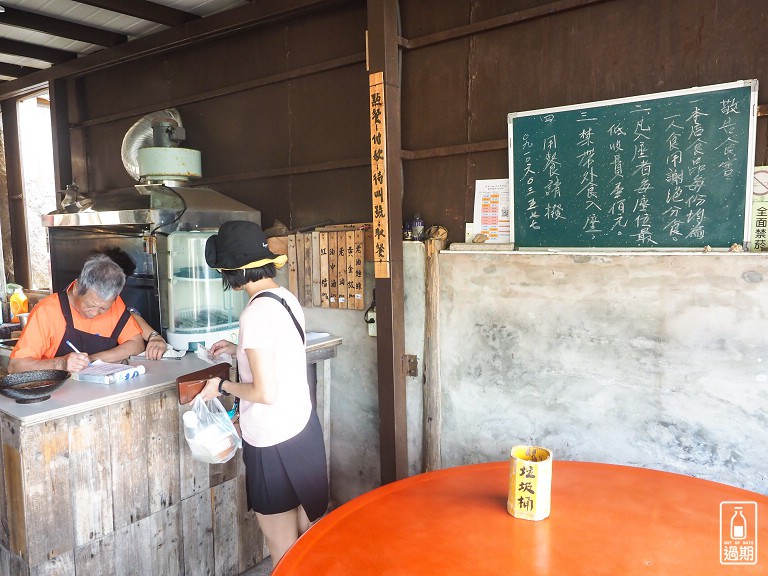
x=666, y=170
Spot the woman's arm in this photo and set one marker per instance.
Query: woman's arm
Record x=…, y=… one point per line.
x=263, y=389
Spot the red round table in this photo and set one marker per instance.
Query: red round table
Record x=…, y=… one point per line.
x=605, y=519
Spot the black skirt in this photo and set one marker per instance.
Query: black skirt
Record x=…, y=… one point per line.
x=285, y=476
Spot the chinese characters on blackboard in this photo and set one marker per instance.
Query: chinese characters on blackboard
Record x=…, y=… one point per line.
x=660, y=172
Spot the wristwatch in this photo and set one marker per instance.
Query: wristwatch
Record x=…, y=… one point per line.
x=221, y=390
x=153, y=334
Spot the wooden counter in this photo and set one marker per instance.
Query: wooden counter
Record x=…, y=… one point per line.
x=98, y=480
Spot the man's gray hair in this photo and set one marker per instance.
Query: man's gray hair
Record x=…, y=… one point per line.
x=102, y=275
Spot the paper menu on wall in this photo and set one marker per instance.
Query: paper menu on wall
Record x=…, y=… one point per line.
x=108, y=373
x=492, y=209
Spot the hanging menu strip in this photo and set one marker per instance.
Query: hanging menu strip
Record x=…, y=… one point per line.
x=316, y=299
x=357, y=269
x=379, y=176
x=324, y=271
x=333, y=263
x=292, y=266
x=341, y=268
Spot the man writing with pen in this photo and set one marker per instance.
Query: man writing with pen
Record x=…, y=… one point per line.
x=89, y=316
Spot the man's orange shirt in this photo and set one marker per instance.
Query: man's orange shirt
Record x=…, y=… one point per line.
x=46, y=326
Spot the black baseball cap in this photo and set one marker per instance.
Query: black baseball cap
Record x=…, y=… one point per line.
x=239, y=245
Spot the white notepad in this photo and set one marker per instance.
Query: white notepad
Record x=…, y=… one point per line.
x=108, y=373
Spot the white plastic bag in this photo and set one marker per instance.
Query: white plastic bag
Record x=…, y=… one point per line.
x=210, y=434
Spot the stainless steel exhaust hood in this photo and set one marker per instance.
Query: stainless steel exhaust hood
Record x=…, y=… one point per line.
x=155, y=207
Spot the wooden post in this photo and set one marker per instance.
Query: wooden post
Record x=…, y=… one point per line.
x=16, y=209
x=387, y=196
x=432, y=385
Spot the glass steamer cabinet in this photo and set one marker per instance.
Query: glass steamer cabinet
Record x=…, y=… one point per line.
x=200, y=311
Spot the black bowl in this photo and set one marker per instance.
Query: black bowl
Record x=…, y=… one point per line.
x=32, y=386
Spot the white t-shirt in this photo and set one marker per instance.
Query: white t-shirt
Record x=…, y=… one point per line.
x=266, y=325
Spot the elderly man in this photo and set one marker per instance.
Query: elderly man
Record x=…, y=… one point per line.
x=89, y=316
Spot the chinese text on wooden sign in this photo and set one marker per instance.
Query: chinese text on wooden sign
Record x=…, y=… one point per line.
x=379, y=177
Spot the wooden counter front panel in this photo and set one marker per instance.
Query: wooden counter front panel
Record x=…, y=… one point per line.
x=91, y=478
x=116, y=487
x=164, y=444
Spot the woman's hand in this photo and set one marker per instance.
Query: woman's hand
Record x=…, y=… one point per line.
x=156, y=347
x=211, y=389
x=223, y=347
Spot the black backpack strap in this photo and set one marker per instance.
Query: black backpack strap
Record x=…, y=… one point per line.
x=285, y=304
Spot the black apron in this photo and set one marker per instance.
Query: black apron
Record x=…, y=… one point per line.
x=85, y=341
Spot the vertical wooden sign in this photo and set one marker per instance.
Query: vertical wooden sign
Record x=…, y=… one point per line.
x=316, y=285
x=299, y=244
x=325, y=285
x=308, y=272
x=379, y=176
x=357, y=273
x=333, y=292
x=350, y=244
x=341, y=259
x=293, y=278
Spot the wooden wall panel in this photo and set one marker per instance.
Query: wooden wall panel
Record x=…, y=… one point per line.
x=4, y=523
x=225, y=529
x=12, y=565
x=434, y=96
x=62, y=565
x=197, y=529
x=89, y=447
x=163, y=444
x=241, y=132
x=311, y=191
x=250, y=538
x=132, y=544
x=438, y=181
x=326, y=35
x=45, y=465
x=97, y=557
x=16, y=526
x=325, y=112
x=166, y=541
x=128, y=453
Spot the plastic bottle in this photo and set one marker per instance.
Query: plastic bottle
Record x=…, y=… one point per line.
x=191, y=424
x=19, y=304
x=417, y=227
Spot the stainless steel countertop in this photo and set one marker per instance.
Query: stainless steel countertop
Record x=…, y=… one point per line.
x=75, y=397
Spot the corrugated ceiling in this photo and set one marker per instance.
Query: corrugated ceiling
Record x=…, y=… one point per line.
x=34, y=34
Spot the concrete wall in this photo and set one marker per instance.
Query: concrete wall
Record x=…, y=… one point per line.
x=657, y=361
x=355, y=464
x=651, y=360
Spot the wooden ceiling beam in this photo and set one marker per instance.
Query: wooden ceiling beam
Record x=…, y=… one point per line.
x=151, y=11
x=221, y=24
x=15, y=71
x=27, y=50
x=57, y=27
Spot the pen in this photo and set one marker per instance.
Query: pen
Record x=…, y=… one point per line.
x=75, y=349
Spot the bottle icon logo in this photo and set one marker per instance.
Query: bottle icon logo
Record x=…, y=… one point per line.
x=738, y=533
x=738, y=524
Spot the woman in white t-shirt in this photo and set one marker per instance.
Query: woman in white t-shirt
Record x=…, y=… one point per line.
x=283, y=450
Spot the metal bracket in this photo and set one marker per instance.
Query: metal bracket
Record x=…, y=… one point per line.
x=411, y=365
